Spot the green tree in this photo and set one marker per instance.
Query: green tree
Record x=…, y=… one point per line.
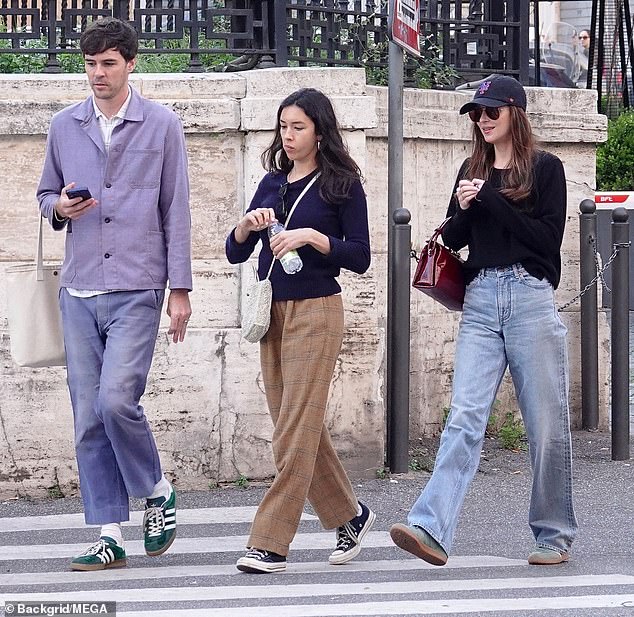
x=615, y=158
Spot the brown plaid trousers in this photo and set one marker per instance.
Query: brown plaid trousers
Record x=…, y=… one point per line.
x=298, y=356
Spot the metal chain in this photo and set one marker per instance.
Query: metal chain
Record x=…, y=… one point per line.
x=600, y=270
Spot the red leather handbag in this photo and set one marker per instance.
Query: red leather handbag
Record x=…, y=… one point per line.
x=439, y=273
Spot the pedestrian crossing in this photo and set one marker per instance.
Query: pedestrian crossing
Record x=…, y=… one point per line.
x=198, y=578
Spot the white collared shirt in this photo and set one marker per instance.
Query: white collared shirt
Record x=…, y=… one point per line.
x=107, y=125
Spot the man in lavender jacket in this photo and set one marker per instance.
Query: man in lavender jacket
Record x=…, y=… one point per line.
x=123, y=244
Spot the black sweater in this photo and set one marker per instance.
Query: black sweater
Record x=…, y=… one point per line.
x=500, y=232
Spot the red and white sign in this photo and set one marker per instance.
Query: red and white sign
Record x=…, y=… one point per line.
x=611, y=199
x=405, y=24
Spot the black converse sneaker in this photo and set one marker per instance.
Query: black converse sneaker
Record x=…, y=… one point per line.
x=349, y=536
x=257, y=561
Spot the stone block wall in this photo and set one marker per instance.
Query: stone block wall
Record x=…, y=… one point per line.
x=205, y=398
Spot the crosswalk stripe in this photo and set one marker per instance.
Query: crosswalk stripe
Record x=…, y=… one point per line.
x=191, y=516
x=303, y=590
x=306, y=589
x=304, y=567
x=404, y=607
x=302, y=541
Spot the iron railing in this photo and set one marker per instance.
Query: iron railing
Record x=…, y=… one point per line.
x=482, y=37
x=192, y=27
x=476, y=38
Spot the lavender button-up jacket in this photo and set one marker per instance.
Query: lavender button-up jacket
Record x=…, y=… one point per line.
x=139, y=234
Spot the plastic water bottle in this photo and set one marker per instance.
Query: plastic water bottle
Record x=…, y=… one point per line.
x=291, y=262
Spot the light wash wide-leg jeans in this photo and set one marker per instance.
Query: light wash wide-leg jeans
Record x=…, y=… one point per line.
x=509, y=319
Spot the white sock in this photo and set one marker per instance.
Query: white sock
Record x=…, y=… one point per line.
x=161, y=489
x=359, y=509
x=113, y=530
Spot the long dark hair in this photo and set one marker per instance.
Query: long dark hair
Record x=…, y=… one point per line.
x=518, y=182
x=338, y=169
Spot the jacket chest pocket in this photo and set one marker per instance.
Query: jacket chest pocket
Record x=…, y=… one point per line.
x=142, y=168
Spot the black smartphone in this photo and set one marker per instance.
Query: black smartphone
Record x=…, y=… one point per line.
x=79, y=191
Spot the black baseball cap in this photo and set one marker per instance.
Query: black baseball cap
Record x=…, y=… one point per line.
x=497, y=92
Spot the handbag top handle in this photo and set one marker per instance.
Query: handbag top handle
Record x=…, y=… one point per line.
x=288, y=218
x=439, y=229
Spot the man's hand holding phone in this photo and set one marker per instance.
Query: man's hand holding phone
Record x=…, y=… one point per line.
x=78, y=191
x=74, y=202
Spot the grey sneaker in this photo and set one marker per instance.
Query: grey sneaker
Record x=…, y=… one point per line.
x=417, y=541
x=543, y=556
x=349, y=536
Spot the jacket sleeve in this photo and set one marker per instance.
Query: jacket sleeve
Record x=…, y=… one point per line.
x=174, y=207
x=51, y=181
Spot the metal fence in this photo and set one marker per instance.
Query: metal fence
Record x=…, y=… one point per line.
x=611, y=61
x=476, y=38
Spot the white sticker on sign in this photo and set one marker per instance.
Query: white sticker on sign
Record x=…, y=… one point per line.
x=406, y=11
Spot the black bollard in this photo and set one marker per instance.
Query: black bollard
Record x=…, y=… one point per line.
x=589, y=318
x=398, y=351
x=620, y=336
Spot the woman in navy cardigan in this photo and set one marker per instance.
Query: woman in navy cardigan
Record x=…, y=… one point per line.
x=329, y=230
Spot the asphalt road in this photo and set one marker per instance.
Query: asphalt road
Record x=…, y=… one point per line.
x=487, y=573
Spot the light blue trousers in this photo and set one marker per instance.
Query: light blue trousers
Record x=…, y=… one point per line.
x=509, y=319
x=109, y=343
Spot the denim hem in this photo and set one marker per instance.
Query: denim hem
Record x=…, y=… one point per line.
x=143, y=492
x=552, y=548
x=433, y=535
x=107, y=515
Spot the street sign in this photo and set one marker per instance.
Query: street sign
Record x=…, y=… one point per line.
x=611, y=199
x=405, y=24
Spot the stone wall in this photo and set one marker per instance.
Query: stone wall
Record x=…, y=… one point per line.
x=205, y=399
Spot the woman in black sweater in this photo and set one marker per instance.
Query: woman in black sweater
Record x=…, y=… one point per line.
x=509, y=208
x=329, y=230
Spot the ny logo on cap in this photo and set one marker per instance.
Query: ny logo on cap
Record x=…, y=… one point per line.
x=484, y=86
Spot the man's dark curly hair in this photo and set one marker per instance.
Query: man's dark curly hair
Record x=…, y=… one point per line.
x=110, y=33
